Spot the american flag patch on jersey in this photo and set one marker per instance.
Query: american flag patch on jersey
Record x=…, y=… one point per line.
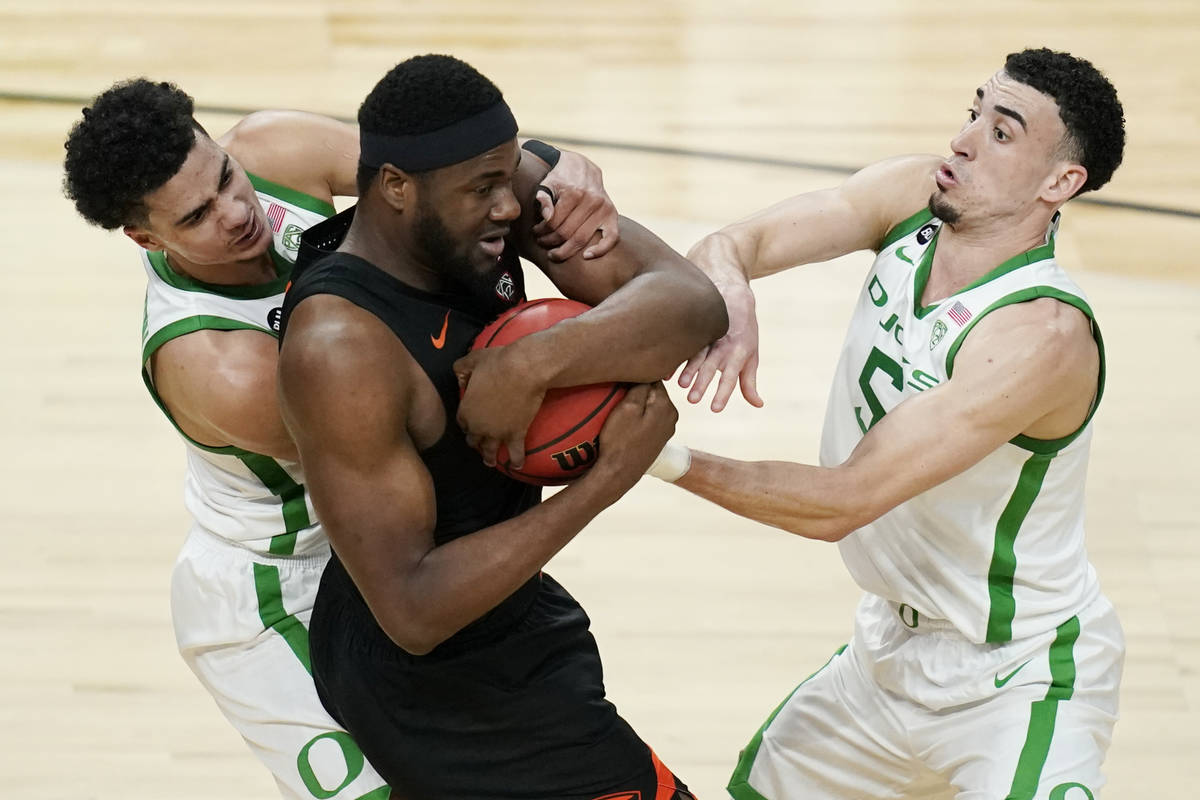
x=275, y=213
x=959, y=313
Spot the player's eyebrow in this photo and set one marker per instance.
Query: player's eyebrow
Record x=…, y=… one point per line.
x=195, y=212
x=497, y=172
x=1005, y=110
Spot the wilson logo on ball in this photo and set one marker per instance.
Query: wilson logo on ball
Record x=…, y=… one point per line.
x=578, y=456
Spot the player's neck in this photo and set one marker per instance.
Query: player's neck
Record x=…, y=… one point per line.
x=380, y=241
x=964, y=254
x=251, y=272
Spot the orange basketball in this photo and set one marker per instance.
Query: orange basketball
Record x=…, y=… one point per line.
x=563, y=440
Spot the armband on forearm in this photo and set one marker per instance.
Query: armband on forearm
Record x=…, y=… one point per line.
x=672, y=463
x=548, y=153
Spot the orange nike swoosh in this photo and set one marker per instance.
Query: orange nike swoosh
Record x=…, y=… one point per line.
x=440, y=339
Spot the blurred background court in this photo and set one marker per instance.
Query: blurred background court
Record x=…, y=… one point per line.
x=700, y=112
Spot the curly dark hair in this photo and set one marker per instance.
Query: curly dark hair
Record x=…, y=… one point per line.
x=1087, y=103
x=132, y=139
x=423, y=94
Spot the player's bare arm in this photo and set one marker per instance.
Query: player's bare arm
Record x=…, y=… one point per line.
x=652, y=308
x=220, y=389
x=360, y=451
x=1030, y=368
x=817, y=226
x=311, y=153
x=805, y=229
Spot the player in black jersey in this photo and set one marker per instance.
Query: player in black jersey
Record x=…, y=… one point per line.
x=462, y=670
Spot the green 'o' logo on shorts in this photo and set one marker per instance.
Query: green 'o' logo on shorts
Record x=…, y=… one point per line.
x=1060, y=792
x=350, y=753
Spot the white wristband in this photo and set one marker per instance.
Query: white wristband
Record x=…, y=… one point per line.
x=672, y=463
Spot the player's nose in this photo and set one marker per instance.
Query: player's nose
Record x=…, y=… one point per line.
x=506, y=207
x=964, y=143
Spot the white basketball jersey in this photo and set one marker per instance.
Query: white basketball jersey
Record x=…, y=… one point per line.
x=997, y=550
x=254, y=500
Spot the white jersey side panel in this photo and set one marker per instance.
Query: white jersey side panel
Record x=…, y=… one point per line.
x=998, y=551
x=248, y=498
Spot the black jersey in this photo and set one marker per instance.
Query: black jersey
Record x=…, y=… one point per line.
x=437, y=330
x=513, y=705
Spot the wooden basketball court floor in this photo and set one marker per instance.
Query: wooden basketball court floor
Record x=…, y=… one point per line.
x=706, y=621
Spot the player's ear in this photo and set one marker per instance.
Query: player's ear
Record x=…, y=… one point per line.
x=143, y=238
x=1065, y=183
x=397, y=187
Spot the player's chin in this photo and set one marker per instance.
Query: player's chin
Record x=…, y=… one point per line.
x=482, y=263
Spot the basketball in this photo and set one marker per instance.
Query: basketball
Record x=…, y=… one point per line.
x=563, y=440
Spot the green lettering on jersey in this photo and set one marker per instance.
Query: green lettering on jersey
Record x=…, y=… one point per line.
x=922, y=380
x=876, y=360
x=878, y=294
x=891, y=327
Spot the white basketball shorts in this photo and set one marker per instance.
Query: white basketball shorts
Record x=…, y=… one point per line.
x=903, y=713
x=241, y=622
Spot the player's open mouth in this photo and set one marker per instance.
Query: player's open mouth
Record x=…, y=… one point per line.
x=945, y=177
x=493, y=245
x=250, y=236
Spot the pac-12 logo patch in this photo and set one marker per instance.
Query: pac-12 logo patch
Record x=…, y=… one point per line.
x=926, y=233
x=506, y=288
x=291, y=237
x=274, y=318
x=939, y=330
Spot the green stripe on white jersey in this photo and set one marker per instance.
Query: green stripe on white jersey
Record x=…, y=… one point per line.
x=997, y=550
x=249, y=498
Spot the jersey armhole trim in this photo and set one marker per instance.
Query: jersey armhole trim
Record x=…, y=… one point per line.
x=200, y=322
x=1041, y=446
x=293, y=196
x=174, y=331
x=905, y=227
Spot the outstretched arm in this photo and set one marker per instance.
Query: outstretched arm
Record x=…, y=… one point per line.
x=804, y=229
x=1030, y=368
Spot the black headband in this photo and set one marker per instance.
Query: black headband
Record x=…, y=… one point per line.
x=452, y=144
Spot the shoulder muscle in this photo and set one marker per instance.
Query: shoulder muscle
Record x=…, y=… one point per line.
x=1043, y=361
